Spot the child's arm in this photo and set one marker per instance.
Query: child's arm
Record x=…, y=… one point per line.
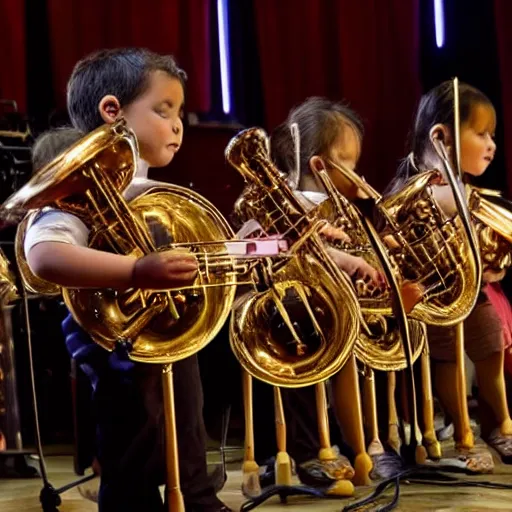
x=352, y=265
x=80, y=267
x=355, y=265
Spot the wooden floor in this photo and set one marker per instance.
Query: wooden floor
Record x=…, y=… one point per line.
x=22, y=495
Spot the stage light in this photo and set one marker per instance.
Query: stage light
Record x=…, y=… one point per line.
x=225, y=77
x=439, y=22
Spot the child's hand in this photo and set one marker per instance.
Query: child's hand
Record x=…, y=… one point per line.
x=332, y=233
x=490, y=276
x=164, y=270
x=365, y=271
x=356, y=266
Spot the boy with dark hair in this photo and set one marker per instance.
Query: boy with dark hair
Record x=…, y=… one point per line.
x=147, y=90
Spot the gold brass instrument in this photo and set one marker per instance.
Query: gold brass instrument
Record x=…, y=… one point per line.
x=32, y=283
x=284, y=356
x=492, y=217
x=313, y=337
x=103, y=164
x=436, y=252
x=383, y=343
x=429, y=249
x=8, y=290
x=156, y=326
x=379, y=344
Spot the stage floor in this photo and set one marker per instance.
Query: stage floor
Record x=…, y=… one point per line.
x=23, y=495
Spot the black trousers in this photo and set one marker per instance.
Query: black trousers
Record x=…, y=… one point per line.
x=131, y=439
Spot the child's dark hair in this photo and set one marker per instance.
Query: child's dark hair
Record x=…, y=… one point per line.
x=52, y=143
x=435, y=107
x=319, y=121
x=122, y=72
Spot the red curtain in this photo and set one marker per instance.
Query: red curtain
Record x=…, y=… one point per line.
x=178, y=27
x=363, y=51
x=503, y=16
x=12, y=54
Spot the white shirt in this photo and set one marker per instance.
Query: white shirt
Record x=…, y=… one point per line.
x=308, y=200
x=59, y=226
x=314, y=197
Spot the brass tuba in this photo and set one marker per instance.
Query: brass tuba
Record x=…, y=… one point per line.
x=158, y=326
x=492, y=217
x=427, y=247
x=293, y=332
x=379, y=344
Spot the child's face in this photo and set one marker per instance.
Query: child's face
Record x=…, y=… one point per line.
x=345, y=151
x=477, y=146
x=156, y=119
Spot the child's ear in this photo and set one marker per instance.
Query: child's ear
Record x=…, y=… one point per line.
x=440, y=131
x=316, y=163
x=109, y=108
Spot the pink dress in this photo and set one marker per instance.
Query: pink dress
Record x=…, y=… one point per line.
x=504, y=311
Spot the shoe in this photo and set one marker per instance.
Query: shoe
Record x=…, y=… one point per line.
x=477, y=460
x=218, y=478
x=445, y=433
x=386, y=465
x=320, y=473
x=502, y=444
x=90, y=490
x=268, y=473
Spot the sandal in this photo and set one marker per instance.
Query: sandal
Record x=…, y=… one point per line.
x=502, y=444
x=477, y=460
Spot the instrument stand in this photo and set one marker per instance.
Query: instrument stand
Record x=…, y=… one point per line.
x=49, y=497
x=15, y=461
x=219, y=475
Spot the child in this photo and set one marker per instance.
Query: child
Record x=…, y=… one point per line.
x=328, y=131
x=483, y=336
x=147, y=90
x=52, y=143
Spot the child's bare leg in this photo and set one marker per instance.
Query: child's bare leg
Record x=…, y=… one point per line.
x=492, y=395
